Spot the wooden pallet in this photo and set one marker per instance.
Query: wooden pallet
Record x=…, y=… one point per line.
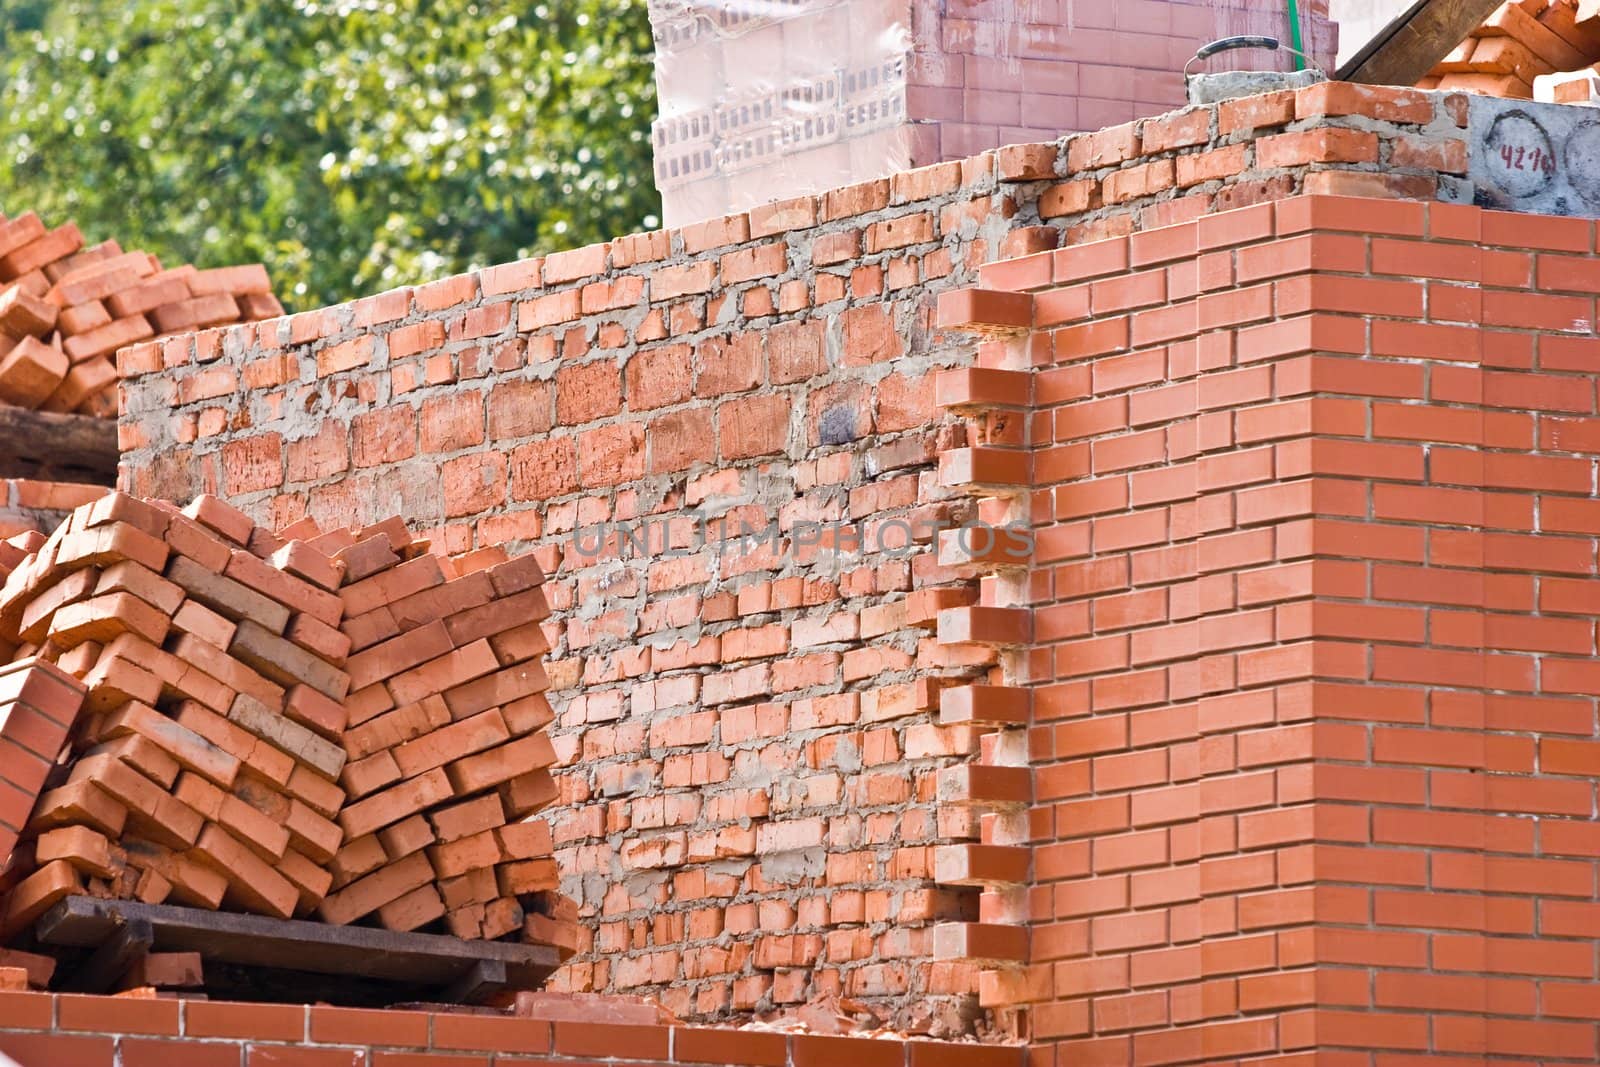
x=251, y=957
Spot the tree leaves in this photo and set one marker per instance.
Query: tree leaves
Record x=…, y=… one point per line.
x=351, y=145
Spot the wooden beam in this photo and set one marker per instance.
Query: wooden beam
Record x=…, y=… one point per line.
x=51, y=447
x=130, y=942
x=1405, y=50
x=414, y=961
x=486, y=978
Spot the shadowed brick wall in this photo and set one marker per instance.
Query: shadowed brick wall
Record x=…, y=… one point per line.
x=791, y=772
x=1313, y=671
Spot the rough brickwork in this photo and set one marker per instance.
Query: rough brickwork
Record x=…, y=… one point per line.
x=778, y=778
x=1314, y=706
x=95, y=1031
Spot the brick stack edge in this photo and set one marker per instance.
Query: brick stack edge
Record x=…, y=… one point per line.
x=332, y=724
x=66, y=309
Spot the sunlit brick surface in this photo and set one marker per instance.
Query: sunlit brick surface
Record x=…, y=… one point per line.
x=1314, y=732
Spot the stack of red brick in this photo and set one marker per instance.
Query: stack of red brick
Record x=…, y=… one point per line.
x=66, y=309
x=338, y=724
x=1519, y=42
x=446, y=742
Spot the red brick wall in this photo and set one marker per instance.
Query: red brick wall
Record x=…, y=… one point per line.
x=766, y=796
x=1314, y=728
x=41, y=1030
x=748, y=740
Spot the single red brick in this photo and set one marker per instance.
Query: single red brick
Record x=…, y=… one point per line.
x=492, y=1034
x=31, y=372
x=151, y=1053
x=696, y=1045
x=611, y=1040
x=103, y=1014
x=57, y=1050
x=273, y=1022
x=354, y=1026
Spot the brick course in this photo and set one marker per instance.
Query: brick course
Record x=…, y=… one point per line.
x=100, y=1031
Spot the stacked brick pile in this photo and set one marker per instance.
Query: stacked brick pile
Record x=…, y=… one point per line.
x=66, y=309
x=1518, y=43
x=38, y=704
x=338, y=724
x=445, y=740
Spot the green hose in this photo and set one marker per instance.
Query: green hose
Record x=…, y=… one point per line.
x=1295, y=40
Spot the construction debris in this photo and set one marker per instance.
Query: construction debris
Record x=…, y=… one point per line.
x=335, y=725
x=66, y=309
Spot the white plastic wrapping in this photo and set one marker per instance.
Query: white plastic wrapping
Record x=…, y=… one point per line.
x=764, y=99
x=767, y=99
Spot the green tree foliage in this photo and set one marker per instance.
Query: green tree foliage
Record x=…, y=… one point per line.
x=351, y=145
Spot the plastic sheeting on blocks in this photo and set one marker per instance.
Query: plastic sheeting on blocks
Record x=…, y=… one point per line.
x=763, y=100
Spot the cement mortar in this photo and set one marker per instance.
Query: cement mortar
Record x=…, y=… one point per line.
x=1232, y=84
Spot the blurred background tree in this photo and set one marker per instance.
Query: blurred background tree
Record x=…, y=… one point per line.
x=351, y=145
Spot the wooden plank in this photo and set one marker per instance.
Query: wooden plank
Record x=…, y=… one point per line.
x=486, y=978
x=412, y=960
x=1404, y=51
x=130, y=942
x=48, y=446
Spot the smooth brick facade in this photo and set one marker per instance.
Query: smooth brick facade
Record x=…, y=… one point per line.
x=785, y=775
x=1314, y=671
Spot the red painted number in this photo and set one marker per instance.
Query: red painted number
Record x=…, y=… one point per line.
x=1517, y=157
